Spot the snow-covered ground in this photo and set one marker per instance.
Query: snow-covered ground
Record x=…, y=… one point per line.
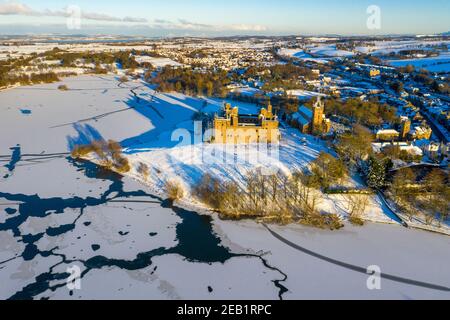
x=316, y=53
x=297, y=53
x=395, y=250
x=159, y=62
x=56, y=213
x=394, y=46
x=435, y=64
x=330, y=51
x=304, y=93
x=248, y=91
x=301, y=55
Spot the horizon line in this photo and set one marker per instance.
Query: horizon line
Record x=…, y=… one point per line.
x=325, y=35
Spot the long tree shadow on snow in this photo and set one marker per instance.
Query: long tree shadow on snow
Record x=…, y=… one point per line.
x=165, y=114
x=86, y=135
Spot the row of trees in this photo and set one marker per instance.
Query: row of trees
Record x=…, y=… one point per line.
x=24, y=79
x=69, y=59
x=190, y=82
x=368, y=113
x=108, y=154
x=287, y=71
x=285, y=76
x=15, y=63
x=430, y=194
x=273, y=198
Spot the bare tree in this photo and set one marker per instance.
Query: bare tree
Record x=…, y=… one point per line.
x=253, y=191
x=174, y=190
x=357, y=205
x=143, y=170
x=435, y=186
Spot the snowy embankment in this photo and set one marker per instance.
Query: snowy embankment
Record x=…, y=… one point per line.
x=188, y=164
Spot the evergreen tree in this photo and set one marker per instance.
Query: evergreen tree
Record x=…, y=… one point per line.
x=376, y=173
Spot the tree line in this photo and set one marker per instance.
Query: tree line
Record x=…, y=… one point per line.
x=368, y=113
x=285, y=76
x=191, y=82
x=275, y=198
x=430, y=193
x=24, y=79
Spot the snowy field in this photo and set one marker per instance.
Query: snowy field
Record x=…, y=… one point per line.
x=296, y=53
x=129, y=243
x=161, y=62
x=301, y=55
x=329, y=51
x=393, y=46
x=248, y=91
x=304, y=93
x=320, y=54
x=435, y=64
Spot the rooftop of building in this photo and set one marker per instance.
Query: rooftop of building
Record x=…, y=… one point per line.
x=387, y=131
x=305, y=111
x=300, y=118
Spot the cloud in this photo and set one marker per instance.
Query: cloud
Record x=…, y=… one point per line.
x=192, y=25
x=99, y=17
x=16, y=8
x=134, y=19
x=180, y=24
x=162, y=21
x=184, y=24
x=248, y=27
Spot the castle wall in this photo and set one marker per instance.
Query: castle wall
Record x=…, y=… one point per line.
x=229, y=131
x=246, y=135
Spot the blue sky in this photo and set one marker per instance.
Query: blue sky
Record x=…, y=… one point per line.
x=231, y=17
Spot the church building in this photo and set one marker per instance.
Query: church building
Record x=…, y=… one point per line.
x=311, y=121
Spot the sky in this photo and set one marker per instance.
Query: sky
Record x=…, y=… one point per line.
x=158, y=18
